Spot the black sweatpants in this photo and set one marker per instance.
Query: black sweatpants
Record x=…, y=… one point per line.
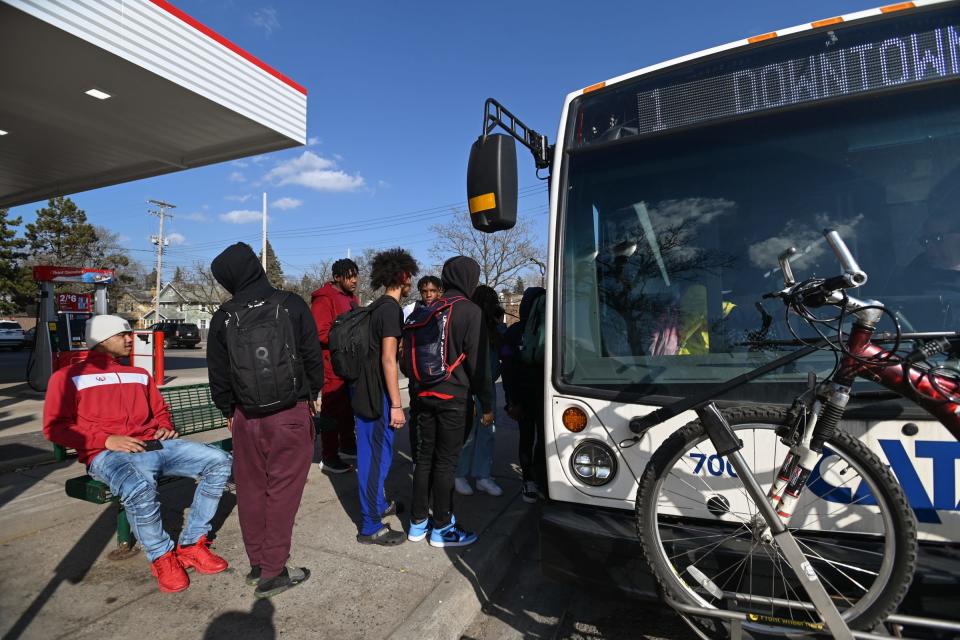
x=440, y=425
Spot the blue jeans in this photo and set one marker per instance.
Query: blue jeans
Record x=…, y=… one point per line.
x=476, y=459
x=133, y=477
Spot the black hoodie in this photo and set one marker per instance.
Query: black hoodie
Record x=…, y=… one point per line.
x=238, y=270
x=468, y=335
x=522, y=384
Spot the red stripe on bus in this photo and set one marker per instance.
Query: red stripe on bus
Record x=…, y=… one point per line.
x=249, y=57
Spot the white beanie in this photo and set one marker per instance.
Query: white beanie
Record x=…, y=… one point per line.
x=100, y=328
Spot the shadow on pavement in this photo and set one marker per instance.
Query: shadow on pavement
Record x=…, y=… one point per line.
x=73, y=568
x=236, y=625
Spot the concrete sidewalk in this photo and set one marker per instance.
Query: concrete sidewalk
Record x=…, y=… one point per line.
x=58, y=582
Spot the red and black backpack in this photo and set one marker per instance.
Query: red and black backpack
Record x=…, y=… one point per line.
x=426, y=334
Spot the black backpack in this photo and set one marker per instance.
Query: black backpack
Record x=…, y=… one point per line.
x=265, y=368
x=426, y=333
x=349, y=341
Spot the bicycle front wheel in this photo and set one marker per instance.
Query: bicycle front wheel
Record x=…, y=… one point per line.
x=705, y=542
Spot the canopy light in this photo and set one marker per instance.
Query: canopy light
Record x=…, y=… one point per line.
x=96, y=93
x=3, y=133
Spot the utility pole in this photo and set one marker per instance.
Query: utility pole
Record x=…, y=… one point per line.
x=263, y=248
x=161, y=242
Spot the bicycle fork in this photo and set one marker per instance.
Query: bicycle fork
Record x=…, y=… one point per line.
x=728, y=445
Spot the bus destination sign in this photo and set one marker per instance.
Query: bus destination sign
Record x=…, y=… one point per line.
x=871, y=66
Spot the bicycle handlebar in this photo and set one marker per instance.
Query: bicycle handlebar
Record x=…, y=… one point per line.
x=853, y=275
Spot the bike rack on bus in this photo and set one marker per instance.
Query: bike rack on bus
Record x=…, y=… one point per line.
x=738, y=618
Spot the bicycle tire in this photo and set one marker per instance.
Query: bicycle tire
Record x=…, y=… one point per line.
x=886, y=598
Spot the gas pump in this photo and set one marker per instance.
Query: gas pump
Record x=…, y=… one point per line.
x=60, y=336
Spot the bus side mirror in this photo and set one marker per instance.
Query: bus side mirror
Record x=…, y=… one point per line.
x=492, y=183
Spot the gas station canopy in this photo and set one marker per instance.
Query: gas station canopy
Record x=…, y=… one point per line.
x=97, y=92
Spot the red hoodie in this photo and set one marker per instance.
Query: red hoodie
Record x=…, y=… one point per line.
x=88, y=401
x=328, y=302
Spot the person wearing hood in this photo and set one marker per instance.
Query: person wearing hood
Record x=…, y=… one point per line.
x=442, y=411
x=523, y=391
x=329, y=301
x=265, y=378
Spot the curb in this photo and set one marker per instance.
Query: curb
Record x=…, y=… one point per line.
x=468, y=585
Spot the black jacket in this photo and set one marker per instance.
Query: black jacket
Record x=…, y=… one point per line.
x=238, y=270
x=522, y=383
x=468, y=335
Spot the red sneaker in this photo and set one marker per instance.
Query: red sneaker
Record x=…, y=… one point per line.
x=169, y=573
x=200, y=557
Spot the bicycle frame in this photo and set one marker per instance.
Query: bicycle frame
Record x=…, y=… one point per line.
x=895, y=378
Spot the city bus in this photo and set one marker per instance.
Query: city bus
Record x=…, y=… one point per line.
x=673, y=189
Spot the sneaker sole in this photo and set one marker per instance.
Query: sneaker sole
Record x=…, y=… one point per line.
x=199, y=570
x=418, y=538
x=441, y=544
x=252, y=582
x=530, y=499
x=279, y=590
x=328, y=470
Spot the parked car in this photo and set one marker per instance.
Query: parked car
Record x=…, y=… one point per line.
x=178, y=334
x=11, y=335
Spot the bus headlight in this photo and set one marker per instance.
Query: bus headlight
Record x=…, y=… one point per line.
x=593, y=463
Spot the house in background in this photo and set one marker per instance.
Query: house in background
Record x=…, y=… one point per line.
x=185, y=303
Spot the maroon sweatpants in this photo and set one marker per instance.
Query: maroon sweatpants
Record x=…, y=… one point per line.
x=271, y=458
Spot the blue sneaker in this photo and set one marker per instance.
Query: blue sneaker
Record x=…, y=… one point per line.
x=418, y=530
x=451, y=536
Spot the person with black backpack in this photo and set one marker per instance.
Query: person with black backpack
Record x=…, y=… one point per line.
x=446, y=351
x=265, y=367
x=364, y=346
x=521, y=358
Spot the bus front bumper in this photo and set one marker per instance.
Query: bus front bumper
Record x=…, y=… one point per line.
x=598, y=548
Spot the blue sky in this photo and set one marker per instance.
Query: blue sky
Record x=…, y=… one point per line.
x=396, y=93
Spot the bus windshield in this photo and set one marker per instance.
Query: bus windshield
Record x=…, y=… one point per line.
x=668, y=242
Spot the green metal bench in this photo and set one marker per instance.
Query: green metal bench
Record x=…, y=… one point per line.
x=192, y=411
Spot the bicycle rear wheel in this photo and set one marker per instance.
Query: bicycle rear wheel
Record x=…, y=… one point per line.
x=702, y=537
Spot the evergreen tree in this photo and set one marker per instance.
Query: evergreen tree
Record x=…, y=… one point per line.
x=178, y=275
x=150, y=281
x=274, y=270
x=11, y=253
x=62, y=235
x=520, y=285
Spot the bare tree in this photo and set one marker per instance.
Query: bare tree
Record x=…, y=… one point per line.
x=502, y=255
x=208, y=291
x=312, y=279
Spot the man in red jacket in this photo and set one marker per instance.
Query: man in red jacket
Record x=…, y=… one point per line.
x=328, y=302
x=116, y=419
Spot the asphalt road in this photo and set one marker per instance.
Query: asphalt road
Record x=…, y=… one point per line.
x=178, y=363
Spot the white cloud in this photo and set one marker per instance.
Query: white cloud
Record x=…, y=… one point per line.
x=196, y=216
x=315, y=172
x=240, y=198
x=266, y=19
x=241, y=216
x=236, y=176
x=176, y=238
x=383, y=184
x=313, y=141
x=286, y=203
x=123, y=239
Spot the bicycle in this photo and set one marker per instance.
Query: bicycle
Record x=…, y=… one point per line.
x=814, y=534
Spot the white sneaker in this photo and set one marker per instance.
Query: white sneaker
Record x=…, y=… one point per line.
x=462, y=486
x=487, y=485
